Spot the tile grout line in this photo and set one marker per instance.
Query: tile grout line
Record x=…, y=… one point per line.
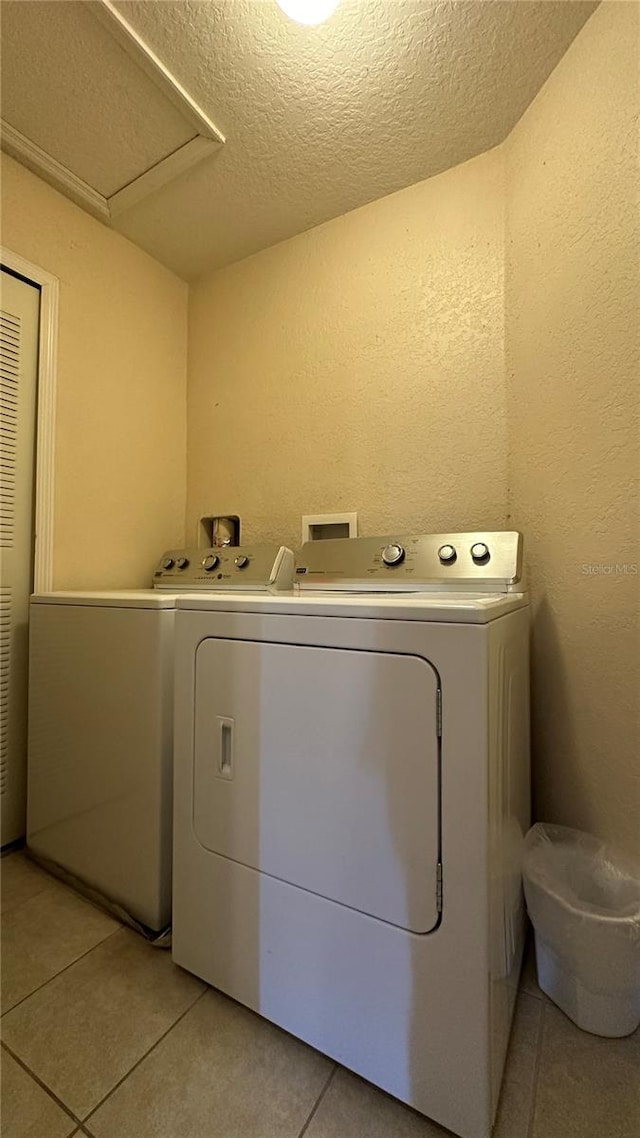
x=318, y=1101
x=43, y=1086
x=50, y=878
x=62, y=971
x=536, y=1074
x=11, y=908
x=84, y=1122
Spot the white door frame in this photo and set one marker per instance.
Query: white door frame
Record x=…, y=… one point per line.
x=45, y=414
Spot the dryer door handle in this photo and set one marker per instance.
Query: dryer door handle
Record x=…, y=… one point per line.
x=225, y=746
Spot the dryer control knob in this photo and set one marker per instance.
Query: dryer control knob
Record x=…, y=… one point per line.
x=210, y=562
x=393, y=554
x=447, y=554
x=480, y=552
x=242, y=561
x=182, y=562
x=167, y=563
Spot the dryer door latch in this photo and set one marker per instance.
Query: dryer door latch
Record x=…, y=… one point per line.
x=225, y=747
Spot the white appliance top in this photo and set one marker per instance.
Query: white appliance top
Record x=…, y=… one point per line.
x=256, y=569
x=118, y=598
x=452, y=608
x=466, y=578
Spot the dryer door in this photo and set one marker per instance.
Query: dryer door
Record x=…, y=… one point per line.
x=319, y=767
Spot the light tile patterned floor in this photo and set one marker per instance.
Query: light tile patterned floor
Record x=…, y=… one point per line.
x=102, y=1035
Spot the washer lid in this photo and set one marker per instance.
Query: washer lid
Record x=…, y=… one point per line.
x=117, y=598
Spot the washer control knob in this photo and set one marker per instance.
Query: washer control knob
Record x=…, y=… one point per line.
x=166, y=563
x=480, y=552
x=447, y=554
x=393, y=554
x=210, y=562
x=182, y=562
x=241, y=561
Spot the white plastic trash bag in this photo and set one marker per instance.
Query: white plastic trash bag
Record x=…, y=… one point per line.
x=584, y=903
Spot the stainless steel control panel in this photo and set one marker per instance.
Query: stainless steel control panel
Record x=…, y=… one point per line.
x=255, y=568
x=475, y=562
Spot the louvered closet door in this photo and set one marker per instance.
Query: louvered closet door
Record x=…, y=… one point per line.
x=20, y=304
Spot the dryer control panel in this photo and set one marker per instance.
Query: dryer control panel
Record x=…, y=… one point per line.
x=231, y=568
x=470, y=562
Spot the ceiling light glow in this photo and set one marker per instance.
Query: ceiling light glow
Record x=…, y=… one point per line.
x=308, y=12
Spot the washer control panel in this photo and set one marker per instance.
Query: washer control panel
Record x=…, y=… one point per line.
x=475, y=562
x=258, y=568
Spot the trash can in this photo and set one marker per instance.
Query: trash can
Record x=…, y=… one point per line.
x=584, y=903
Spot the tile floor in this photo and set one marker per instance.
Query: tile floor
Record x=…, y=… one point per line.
x=102, y=1035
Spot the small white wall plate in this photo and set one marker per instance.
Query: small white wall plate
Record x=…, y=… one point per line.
x=317, y=527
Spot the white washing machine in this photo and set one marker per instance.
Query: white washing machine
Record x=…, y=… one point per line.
x=351, y=793
x=100, y=754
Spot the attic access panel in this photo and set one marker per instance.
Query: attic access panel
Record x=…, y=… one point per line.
x=90, y=108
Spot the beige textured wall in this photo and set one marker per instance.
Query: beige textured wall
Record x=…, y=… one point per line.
x=121, y=404
x=573, y=369
x=358, y=366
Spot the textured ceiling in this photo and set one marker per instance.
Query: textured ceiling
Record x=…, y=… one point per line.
x=321, y=120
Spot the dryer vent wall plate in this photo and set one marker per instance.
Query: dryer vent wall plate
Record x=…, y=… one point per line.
x=319, y=527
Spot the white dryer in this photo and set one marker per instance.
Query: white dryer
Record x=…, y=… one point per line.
x=100, y=753
x=351, y=793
